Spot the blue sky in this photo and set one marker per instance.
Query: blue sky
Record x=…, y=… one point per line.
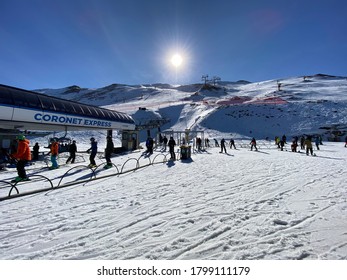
x=94, y=43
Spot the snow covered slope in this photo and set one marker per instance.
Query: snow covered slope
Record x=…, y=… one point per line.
x=293, y=106
x=241, y=205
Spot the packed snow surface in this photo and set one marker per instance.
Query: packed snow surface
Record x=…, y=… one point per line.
x=268, y=204
x=240, y=205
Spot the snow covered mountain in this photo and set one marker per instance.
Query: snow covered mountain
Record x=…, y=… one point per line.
x=293, y=106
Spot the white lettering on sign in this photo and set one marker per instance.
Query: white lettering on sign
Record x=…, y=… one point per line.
x=70, y=120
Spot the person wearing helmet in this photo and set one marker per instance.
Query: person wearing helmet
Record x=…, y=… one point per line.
x=54, y=150
x=22, y=156
x=93, y=151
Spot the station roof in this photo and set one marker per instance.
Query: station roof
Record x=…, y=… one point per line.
x=31, y=110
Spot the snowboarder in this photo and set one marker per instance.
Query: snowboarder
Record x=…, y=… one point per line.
x=72, y=152
x=172, y=145
x=93, y=151
x=22, y=157
x=308, y=144
x=222, y=145
x=253, y=144
x=54, y=150
x=108, y=151
x=232, y=143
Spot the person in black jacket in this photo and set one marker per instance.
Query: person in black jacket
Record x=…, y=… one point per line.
x=149, y=145
x=72, y=152
x=108, y=151
x=222, y=145
x=36, y=149
x=253, y=144
x=172, y=145
x=165, y=141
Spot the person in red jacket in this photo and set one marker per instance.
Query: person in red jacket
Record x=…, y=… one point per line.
x=23, y=156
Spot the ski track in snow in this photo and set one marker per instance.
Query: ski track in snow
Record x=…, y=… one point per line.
x=271, y=205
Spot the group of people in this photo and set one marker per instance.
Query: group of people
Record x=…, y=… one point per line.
x=305, y=143
x=171, y=143
x=93, y=150
x=253, y=144
x=22, y=154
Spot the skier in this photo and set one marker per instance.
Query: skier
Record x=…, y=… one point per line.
x=232, y=143
x=346, y=142
x=72, y=152
x=22, y=156
x=93, y=149
x=282, y=142
x=149, y=145
x=317, y=142
x=277, y=141
x=302, y=142
x=54, y=150
x=198, y=143
x=294, y=145
x=3, y=159
x=216, y=144
x=284, y=139
x=36, y=151
x=165, y=142
x=134, y=146
x=222, y=145
x=172, y=145
x=161, y=139
x=108, y=152
x=308, y=144
x=207, y=142
x=253, y=144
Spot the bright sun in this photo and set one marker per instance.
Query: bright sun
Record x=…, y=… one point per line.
x=176, y=60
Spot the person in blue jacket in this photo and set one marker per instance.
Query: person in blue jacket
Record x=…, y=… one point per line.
x=93, y=151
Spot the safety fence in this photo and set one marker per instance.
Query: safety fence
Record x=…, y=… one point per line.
x=38, y=183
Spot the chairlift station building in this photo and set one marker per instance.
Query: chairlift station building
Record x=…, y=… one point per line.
x=27, y=110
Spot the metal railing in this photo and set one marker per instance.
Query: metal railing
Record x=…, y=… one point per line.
x=94, y=174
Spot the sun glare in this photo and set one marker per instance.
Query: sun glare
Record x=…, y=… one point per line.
x=176, y=60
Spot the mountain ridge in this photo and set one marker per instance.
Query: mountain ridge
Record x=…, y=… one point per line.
x=293, y=106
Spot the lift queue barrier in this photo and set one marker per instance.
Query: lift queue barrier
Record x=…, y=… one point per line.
x=138, y=163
